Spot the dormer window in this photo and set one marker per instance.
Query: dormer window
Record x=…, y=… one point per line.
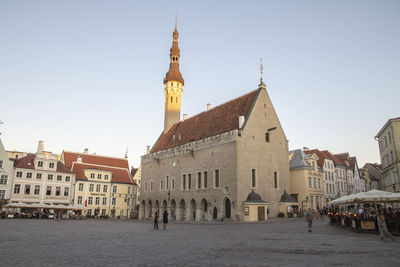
x=92, y=175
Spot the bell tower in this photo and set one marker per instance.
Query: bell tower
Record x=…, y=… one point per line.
x=173, y=84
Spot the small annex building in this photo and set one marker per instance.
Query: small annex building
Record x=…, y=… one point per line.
x=255, y=208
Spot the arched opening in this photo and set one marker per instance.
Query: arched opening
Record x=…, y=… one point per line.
x=227, y=208
x=192, y=210
x=172, y=214
x=142, y=210
x=215, y=213
x=203, y=209
x=164, y=206
x=150, y=210
x=157, y=208
x=181, y=212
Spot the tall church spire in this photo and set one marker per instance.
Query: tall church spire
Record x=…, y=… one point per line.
x=173, y=84
x=174, y=73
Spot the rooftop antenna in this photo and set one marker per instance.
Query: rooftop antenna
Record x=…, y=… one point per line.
x=126, y=153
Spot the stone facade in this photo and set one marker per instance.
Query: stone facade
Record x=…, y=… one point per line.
x=210, y=178
x=6, y=175
x=389, y=150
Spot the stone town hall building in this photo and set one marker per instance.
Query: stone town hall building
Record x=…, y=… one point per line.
x=210, y=165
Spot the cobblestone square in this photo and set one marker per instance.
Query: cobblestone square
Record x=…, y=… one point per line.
x=279, y=242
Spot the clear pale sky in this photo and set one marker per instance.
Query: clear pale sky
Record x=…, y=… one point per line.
x=88, y=74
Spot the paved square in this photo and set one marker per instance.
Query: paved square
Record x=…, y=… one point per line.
x=119, y=243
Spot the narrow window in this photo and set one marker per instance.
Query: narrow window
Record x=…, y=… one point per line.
x=275, y=180
x=253, y=178
x=189, y=181
x=167, y=183
x=216, y=178
x=184, y=182
x=173, y=184
x=27, y=189
x=199, y=180
x=176, y=99
x=171, y=99
x=205, y=179
x=66, y=191
x=267, y=137
x=48, y=191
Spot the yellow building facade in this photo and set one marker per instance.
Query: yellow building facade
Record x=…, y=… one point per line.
x=104, y=186
x=306, y=180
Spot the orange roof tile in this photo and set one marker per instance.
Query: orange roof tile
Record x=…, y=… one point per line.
x=118, y=175
x=332, y=157
x=218, y=120
x=321, y=157
x=70, y=157
x=27, y=163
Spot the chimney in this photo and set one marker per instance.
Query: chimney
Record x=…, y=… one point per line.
x=147, y=149
x=208, y=107
x=40, y=148
x=305, y=148
x=86, y=151
x=241, y=121
x=184, y=116
x=79, y=159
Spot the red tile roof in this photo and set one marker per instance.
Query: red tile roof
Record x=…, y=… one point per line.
x=329, y=155
x=70, y=157
x=321, y=157
x=118, y=175
x=218, y=120
x=27, y=163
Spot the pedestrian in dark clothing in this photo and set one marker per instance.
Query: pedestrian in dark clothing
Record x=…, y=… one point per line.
x=309, y=219
x=165, y=219
x=156, y=220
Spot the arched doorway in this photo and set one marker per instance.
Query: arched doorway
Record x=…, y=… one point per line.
x=215, y=213
x=227, y=208
x=157, y=208
x=192, y=210
x=181, y=212
x=172, y=215
x=142, y=210
x=203, y=210
x=150, y=210
x=164, y=206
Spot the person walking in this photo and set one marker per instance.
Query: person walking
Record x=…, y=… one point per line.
x=309, y=219
x=155, y=221
x=165, y=219
x=383, y=231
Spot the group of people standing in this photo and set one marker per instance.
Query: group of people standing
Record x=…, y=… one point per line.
x=165, y=220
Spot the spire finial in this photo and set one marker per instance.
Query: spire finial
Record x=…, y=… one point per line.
x=262, y=84
x=176, y=20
